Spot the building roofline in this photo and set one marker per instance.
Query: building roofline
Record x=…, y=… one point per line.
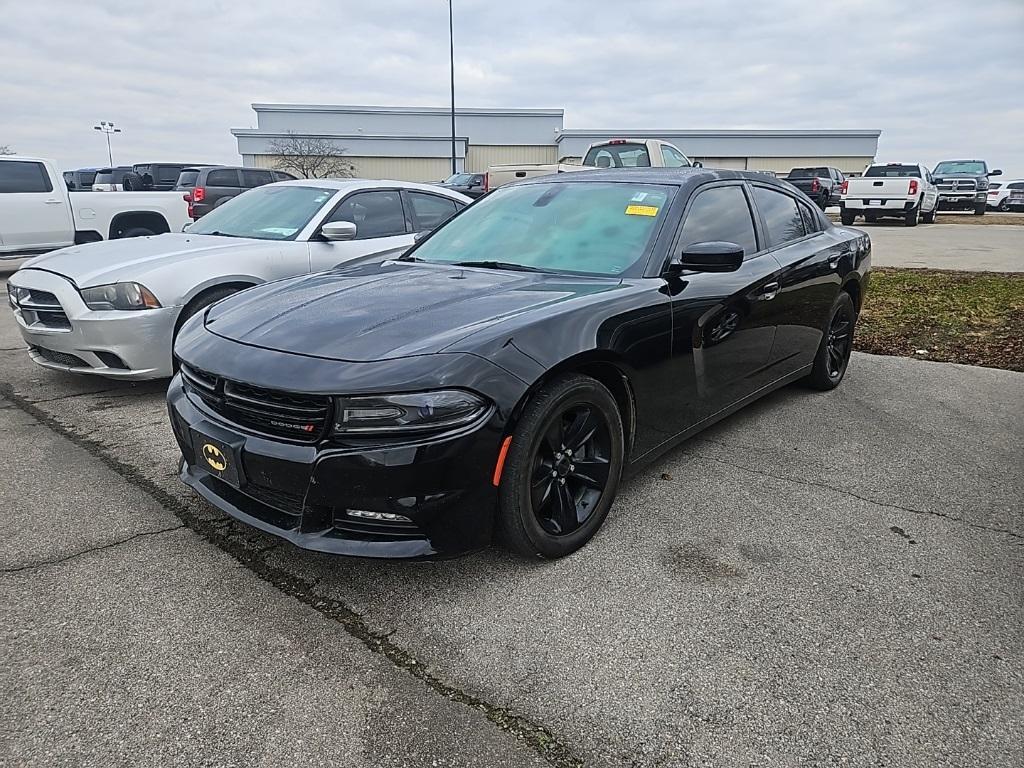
x=712, y=133
x=354, y=108
x=261, y=134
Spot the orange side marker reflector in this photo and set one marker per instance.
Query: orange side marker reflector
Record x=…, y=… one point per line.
x=501, y=460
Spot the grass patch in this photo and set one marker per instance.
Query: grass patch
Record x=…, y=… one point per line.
x=975, y=318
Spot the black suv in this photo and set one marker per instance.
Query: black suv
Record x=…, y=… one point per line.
x=155, y=176
x=208, y=186
x=963, y=185
x=822, y=184
x=469, y=184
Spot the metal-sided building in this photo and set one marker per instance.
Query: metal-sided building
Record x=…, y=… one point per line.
x=414, y=143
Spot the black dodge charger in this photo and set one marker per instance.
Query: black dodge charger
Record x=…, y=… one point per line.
x=496, y=381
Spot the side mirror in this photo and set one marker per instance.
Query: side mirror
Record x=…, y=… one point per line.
x=187, y=226
x=995, y=173
x=420, y=235
x=698, y=164
x=338, y=230
x=715, y=256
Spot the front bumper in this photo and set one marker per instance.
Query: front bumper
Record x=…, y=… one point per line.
x=956, y=200
x=305, y=493
x=74, y=338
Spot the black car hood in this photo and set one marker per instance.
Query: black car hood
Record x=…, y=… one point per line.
x=395, y=309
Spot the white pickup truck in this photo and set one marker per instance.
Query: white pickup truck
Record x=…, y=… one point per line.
x=37, y=214
x=896, y=190
x=616, y=153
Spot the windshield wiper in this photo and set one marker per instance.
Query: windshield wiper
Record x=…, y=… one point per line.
x=498, y=265
x=219, y=234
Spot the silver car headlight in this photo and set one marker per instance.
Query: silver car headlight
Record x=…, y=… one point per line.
x=16, y=294
x=415, y=412
x=119, y=296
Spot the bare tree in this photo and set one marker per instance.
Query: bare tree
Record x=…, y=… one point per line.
x=6, y=150
x=311, y=157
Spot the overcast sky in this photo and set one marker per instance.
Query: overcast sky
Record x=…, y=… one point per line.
x=940, y=79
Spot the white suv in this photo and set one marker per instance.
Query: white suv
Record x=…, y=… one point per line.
x=999, y=193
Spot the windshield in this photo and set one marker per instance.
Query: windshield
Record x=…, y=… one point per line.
x=618, y=156
x=590, y=228
x=265, y=213
x=462, y=179
x=808, y=173
x=893, y=170
x=973, y=167
x=187, y=179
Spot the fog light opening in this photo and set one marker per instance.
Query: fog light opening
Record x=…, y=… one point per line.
x=368, y=515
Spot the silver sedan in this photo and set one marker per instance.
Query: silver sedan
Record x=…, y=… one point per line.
x=113, y=308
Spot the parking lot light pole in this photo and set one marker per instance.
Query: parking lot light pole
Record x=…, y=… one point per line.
x=108, y=128
x=451, y=61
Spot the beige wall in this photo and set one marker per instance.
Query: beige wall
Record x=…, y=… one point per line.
x=481, y=156
x=396, y=168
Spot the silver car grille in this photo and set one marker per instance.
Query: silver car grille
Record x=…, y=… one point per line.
x=41, y=309
x=958, y=185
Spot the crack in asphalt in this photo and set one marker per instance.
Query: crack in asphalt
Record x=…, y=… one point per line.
x=535, y=736
x=90, y=550
x=846, y=492
x=68, y=397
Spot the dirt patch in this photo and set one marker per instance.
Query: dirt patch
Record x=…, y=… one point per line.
x=975, y=318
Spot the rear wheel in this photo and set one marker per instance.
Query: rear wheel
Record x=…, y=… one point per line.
x=1004, y=204
x=848, y=217
x=562, y=470
x=929, y=218
x=911, y=219
x=834, y=351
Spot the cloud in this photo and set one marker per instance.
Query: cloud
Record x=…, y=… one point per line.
x=177, y=76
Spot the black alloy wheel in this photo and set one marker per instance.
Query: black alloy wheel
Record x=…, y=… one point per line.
x=833, y=356
x=563, y=467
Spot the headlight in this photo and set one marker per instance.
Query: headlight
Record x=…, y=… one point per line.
x=119, y=296
x=16, y=294
x=418, y=412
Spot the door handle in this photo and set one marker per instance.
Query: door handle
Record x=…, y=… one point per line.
x=51, y=201
x=833, y=261
x=769, y=292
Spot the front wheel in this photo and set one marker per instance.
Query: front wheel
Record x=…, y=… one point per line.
x=562, y=469
x=833, y=355
x=979, y=210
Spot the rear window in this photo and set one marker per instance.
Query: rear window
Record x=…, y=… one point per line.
x=187, y=179
x=23, y=176
x=618, y=156
x=893, y=170
x=87, y=177
x=167, y=173
x=808, y=173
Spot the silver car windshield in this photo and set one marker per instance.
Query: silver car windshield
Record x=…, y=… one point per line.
x=270, y=212
x=590, y=228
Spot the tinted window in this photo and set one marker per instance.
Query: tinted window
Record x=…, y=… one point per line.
x=894, y=169
x=256, y=178
x=430, y=210
x=23, y=176
x=808, y=173
x=618, y=156
x=811, y=222
x=596, y=227
x=375, y=214
x=961, y=166
x=672, y=159
x=781, y=216
x=1015, y=185
x=86, y=177
x=282, y=176
x=222, y=178
x=720, y=213
x=167, y=173
x=478, y=180
x=187, y=179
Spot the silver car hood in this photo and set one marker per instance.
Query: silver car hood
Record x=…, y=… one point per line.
x=111, y=261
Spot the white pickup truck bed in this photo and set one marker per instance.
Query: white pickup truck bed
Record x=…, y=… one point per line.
x=895, y=190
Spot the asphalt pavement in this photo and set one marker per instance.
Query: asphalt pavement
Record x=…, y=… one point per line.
x=980, y=247
x=822, y=579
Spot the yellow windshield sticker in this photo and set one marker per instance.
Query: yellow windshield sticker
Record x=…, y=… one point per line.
x=641, y=210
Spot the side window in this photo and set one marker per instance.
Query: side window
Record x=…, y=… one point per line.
x=812, y=223
x=256, y=178
x=222, y=178
x=720, y=213
x=282, y=176
x=375, y=214
x=671, y=158
x=430, y=211
x=23, y=176
x=167, y=173
x=781, y=216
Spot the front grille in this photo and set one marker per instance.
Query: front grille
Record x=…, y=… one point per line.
x=958, y=185
x=363, y=529
x=290, y=415
x=60, y=358
x=41, y=308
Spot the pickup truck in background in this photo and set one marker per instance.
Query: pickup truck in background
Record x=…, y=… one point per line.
x=896, y=190
x=616, y=153
x=963, y=185
x=38, y=213
x=821, y=184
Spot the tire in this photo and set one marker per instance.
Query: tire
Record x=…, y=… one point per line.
x=848, y=217
x=929, y=218
x=823, y=201
x=833, y=356
x=548, y=508
x=870, y=218
x=135, y=232
x=1004, y=205
x=132, y=182
x=912, y=217
x=979, y=210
